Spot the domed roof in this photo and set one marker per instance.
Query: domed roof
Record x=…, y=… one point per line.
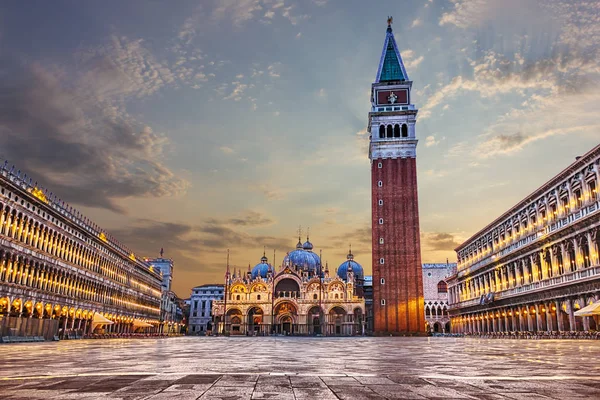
x=357, y=269
x=307, y=245
x=304, y=259
x=261, y=270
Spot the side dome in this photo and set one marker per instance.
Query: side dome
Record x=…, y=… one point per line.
x=357, y=269
x=307, y=245
x=261, y=270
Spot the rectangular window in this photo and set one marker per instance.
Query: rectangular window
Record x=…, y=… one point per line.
x=379, y=165
x=195, y=304
x=383, y=302
x=381, y=261
x=380, y=184
x=380, y=221
x=203, y=303
x=380, y=202
x=195, y=314
x=380, y=240
x=382, y=281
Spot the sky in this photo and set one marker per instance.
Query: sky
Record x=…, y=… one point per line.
x=206, y=125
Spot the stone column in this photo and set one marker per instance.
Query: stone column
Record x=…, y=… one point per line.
x=559, y=317
x=586, y=323
x=549, y=320
x=540, y=315
x=571, y=313
x=529, y=320
x=513, y=320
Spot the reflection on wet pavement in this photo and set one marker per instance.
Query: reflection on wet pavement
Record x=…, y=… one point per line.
x=301, y=368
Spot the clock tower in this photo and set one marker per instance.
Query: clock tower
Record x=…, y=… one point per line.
x=398, y=306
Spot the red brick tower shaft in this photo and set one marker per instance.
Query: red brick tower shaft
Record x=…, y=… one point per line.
x=398, y=305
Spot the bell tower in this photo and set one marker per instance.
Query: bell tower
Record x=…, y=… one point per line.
x=398, y=306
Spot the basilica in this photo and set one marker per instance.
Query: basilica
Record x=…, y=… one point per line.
x=300, y=297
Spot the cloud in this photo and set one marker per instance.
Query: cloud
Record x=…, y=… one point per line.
x=273, y=70
x=440, y=241
x=430, y=141
x=322, y=93
x=359, y=237
x=120, y=69
x=556, y=87
x=466, y=13
x=240, y=12
x=410, y=62
x=191, y=245
x=416, y=22
x=249, y=219
x=78, y=143
x=226, y=150
x=237, y=11
x=288, y=13
x=237, y=93
x=270, y=192
x=493, y=74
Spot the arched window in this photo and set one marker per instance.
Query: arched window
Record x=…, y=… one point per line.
x=396, y=130
x=442, y=287
x=237, y=297
x=315, y=296
x=258, y=297
x=389, y=131
x=381, y=131
x=404, y=130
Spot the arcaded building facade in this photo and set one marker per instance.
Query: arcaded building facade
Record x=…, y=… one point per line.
x=300, y=297
x=435, y=290
x=533, y=267
x=396, y=254
x=58, y=269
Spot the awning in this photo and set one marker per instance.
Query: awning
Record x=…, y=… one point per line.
x=140, y=324
x=100, y=319
x=589, y=311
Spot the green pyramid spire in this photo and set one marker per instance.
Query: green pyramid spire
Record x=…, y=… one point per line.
x=391, y=70
x=391, y=67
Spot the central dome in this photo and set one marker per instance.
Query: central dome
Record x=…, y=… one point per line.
x=304, y=260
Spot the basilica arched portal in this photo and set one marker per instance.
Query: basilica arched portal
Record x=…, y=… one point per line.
x=286, y=317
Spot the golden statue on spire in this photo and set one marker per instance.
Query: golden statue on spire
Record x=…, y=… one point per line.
x=390, y=20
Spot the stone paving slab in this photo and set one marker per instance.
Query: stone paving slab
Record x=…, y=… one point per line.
x=239, y=386
x=301, y=368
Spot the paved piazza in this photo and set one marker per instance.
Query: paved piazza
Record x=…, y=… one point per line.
x=301, y=368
